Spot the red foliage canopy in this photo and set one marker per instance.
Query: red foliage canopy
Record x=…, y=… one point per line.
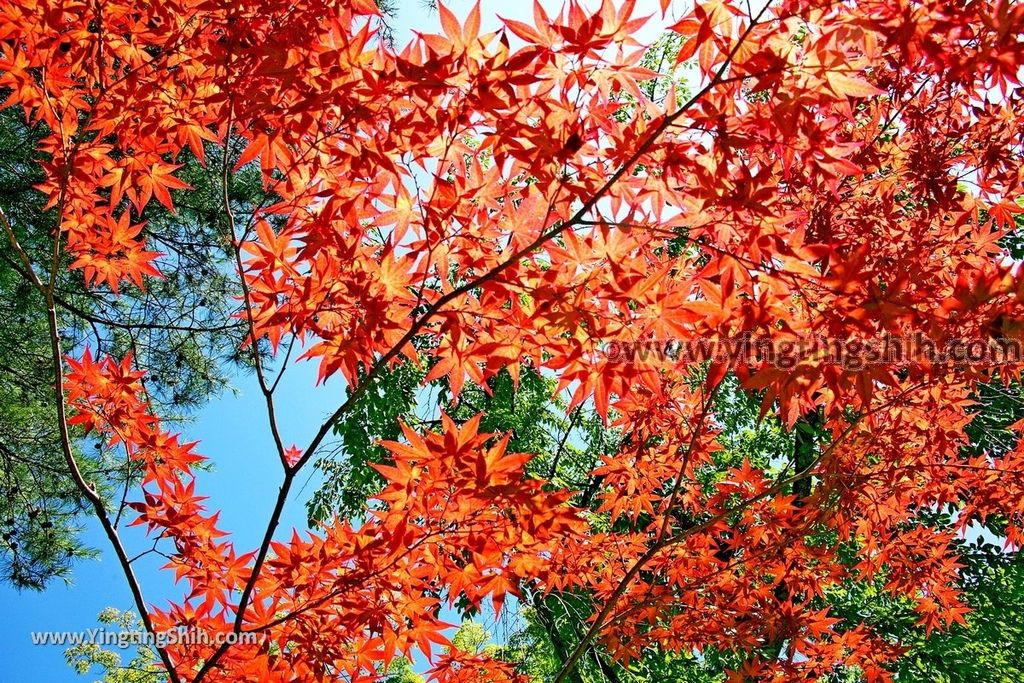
x=843, y=170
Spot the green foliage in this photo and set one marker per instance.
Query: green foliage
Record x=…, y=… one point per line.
x=660, y=58
x=527, y=411
x=745, y=435
x=401, y=671
x=565, y=449
x=988, y=649
x=1014, y=241
x=999, y=407
x=143, y=667
x=349, y=479
x=551, y=629
x=471, y=637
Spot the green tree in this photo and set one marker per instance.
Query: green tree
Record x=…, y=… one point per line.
x=142, y=667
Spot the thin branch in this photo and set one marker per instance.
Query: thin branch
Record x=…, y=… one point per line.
x=65, y=436
x=267, y=390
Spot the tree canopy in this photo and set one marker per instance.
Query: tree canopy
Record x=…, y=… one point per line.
x=713, y=376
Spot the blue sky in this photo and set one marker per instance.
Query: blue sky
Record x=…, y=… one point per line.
x=232, y=432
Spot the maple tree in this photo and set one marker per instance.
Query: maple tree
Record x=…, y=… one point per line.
x=479, y=206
